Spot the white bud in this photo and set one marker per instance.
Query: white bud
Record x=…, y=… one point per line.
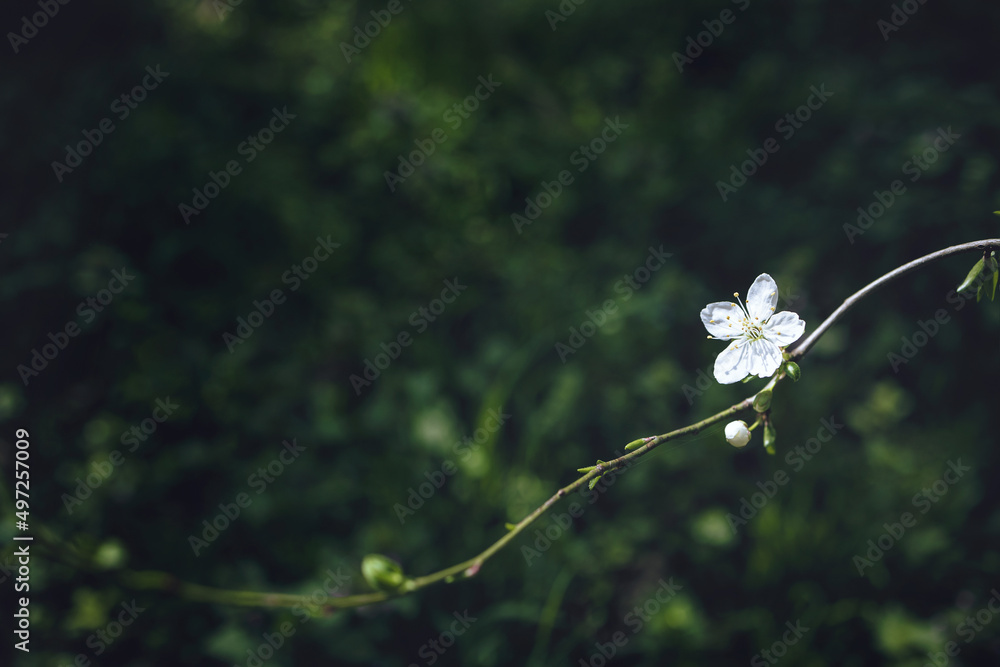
x=737, y=434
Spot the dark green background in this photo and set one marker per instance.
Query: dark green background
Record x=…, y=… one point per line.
x=323, y=176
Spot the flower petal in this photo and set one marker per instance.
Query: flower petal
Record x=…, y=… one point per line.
x=784, y=328
x=764, y=356
x=762, y=298
x=733, y=364
x=737, y=433
x=723, y=319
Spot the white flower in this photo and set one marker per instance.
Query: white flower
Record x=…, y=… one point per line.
x=737, y=434
x=756, y=332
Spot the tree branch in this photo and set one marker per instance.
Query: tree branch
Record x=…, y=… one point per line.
x=167, y=583
x=800, y=348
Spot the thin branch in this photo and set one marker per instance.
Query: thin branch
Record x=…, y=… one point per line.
x=167, y=583
x=799, y=349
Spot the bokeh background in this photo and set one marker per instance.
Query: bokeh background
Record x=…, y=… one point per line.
x=561, y=74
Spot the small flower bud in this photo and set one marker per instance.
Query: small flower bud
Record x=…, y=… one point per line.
x=737, y=433
x=636, y=444
x=381, y=573
x=762, y=401
x=793, y=370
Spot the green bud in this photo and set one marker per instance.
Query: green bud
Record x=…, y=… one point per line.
x=382, y=573
x=510, y=526
x=110, y=555
x=762, y=401
x=793, y=370
x=594, y=482
x=769, y=437
x=977, y=268
x=588, y=468
x=636, y=444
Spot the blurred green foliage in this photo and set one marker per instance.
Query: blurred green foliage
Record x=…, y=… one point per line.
x=494, y=347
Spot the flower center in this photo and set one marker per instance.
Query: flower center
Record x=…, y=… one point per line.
x=753, y=331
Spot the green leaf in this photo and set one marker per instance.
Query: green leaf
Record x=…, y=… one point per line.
x=510, y=526
x=971, y=278
x=589, y=468
x=594, y=482
x=993, y=289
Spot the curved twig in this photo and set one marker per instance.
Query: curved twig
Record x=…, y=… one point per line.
x=167, y=583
